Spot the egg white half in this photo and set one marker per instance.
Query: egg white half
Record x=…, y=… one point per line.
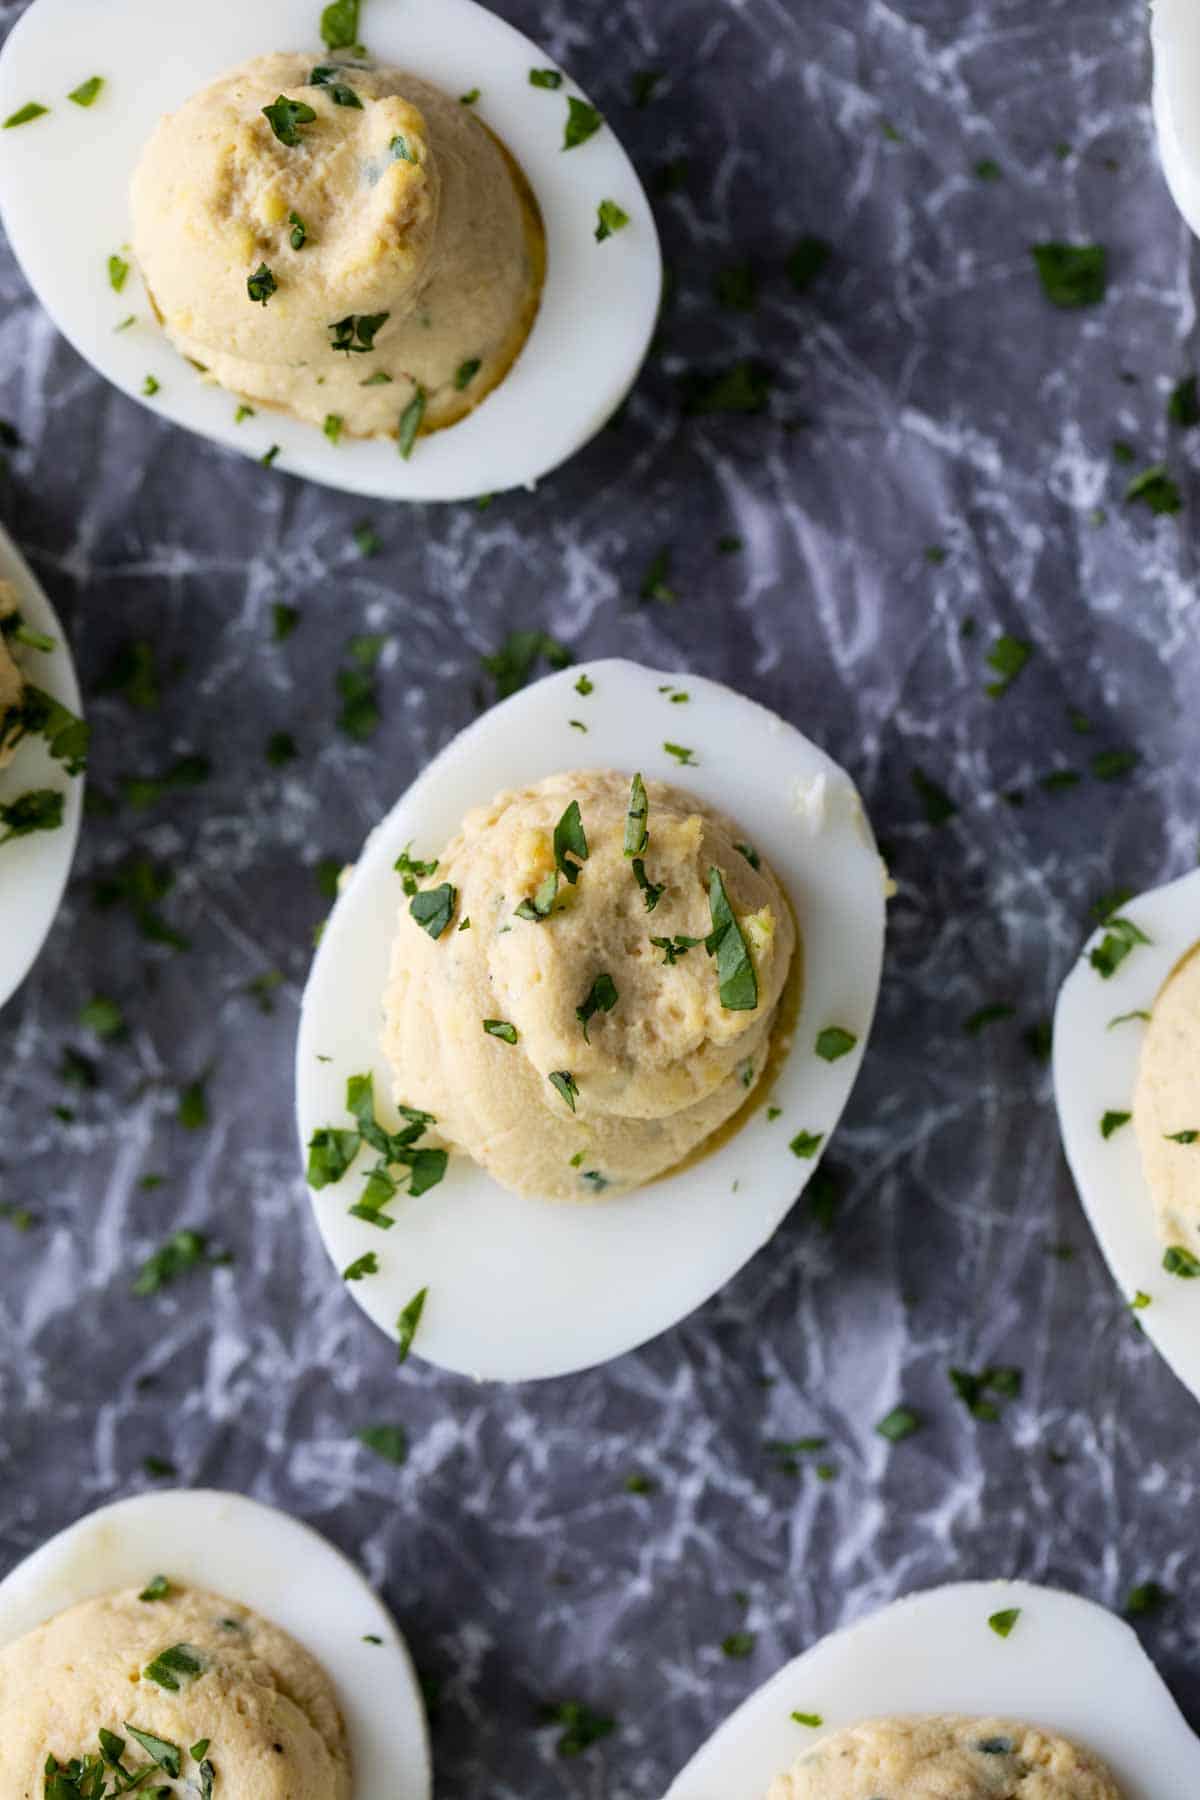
x=1067, y=1665
x=268, y=1561
x=64, y=183
x=1175, y=36
x=522, y=1288
x=1095, y=1069
x=34, y=869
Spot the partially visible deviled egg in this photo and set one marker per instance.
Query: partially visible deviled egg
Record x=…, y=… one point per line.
x=978, y=1690
x=1127, y=1085
x=1175, y=35
x=413, y=262
x=43, y=750
x=203, y=1644
x=584, y=1017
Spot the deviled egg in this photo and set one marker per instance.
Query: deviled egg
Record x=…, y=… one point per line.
x=584, y=1017
x=1127, y=1086
x=411, y=261
x=206, y=1645
x=979, y=1689
x=1175, y=36
x=43, y=750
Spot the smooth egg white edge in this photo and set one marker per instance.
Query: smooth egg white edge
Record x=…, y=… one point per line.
x=34, y=869
x=524, y=1288
x=1095, y=1069
x=247, y=1552
x=600, y=301
x=1067, y=1665
x=1175, y=39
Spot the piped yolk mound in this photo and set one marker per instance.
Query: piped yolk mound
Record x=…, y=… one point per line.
x=552, y=1039
x=1166, y=1105
x=368, y=245
x=190, y=1672
x=945, y=1758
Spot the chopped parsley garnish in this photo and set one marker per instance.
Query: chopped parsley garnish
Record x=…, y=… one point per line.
x=339, y=93
x=541, y=905
x=243, y=412
x=513, y=664
x=470, y=97
x=284, y=620
x=25, y=115
x=636, y=835
x=585, y=686
x=655, y=585
x=118, y=273
x=835, y=1041
x=339, y=24
x=367, y=540
x=268, y=457
x=182, y=1252
x=737, y=981
x=281, y=749
x=433, y=908
x=1140, y=1301
x=331, y=1152
x=285, y=118
x=500, y=1028
x=150, y=387
x=570, y=840
x=1072, y=275
x=983, y=1016
x=41, y=809
x=1120, y=937
x=193, y=1105
x=1002, y=1622
x=410, y=423
x=400, y=152
x=652, y=891
x=580, y=1726
x=1182, y=1137
x=87, y=91
x=609, y=218
x=364, y=1265
x=601, y=997
x=975, y=1391
x=388, y=1441
x=333, y=427
x=406, y=1324
x=174, y=1667
x=583, y=122
x=805, y=1144
x=1008, y=656
x=157, y=1588
x=899, y=1424
x=355, y=334
x=299, y=232
x=642, y=84
x=1112, y=765
x=564, y=1083
x=674, y=948
x=467, y=372
x=1179, y=1261
x=1113, y=1121
x=140, y=884
x=261, y=285
x=1183, y=407
x=164, y=1755
x=738, y=1645
x=743, y=388
x=545, y=78
x=1124, y=1018
x=681, y=754
x=411, y=871
x=815, y=1720
x=1150, y=1597
x=1155, y=489
x=103, y=1017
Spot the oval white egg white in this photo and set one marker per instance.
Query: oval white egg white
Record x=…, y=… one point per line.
x=251, y=1553
x=523, y=1288
x=64, y=184
x=1067, y=1665
x=34, y=869
x=1095, y=1069
x=1175, y=37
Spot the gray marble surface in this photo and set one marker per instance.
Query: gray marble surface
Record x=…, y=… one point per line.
x=923, y=396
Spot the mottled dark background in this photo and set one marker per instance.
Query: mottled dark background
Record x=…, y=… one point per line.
x=933, y=467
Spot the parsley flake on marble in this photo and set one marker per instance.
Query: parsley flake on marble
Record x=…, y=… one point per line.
x=980, y=1393
x=1149, y=1597
x=579, y=1726
x=601, y=997
x=1183, y=406
x=983, y=1016
x=936, y=803
x=738, y=1645
x=583, y=122
x=1072, y=275
x=1155, y=488
x=182, y=1252
x=388, y=1441
x=514, y=663
x=737, y=981
x=1007, y=656
x=899, y=1424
